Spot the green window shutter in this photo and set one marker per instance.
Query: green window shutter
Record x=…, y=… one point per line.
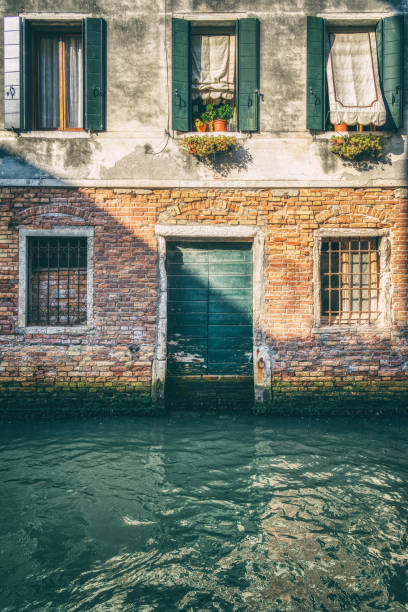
x=391, y=68
x=248, y=35
x=12, y=74
x=181, y=75
x=316, y=74
x=94, y=49
x=379, y=42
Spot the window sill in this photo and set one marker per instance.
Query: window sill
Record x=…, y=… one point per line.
x=71, y=330
x=329, y=135
x=239, y=135
x=57, y=134
x=351, y=329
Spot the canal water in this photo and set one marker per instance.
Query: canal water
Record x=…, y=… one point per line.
x=204, y=512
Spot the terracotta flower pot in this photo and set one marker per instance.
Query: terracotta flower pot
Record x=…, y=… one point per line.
x=340, y=127
x=201, y=128
x=220, y=125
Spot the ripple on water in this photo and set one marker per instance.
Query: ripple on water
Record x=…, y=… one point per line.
x=190, y=512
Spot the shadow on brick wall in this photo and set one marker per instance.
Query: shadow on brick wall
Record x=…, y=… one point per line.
x=108, y=369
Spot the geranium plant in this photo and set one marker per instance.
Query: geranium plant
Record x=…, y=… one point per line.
x=204, y=147
x=356, y=147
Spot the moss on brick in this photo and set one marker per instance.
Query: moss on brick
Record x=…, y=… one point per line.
x=333, y=397
x=210, y=392
x=63, y=399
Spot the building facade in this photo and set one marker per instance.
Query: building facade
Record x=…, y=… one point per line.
x=134, y=273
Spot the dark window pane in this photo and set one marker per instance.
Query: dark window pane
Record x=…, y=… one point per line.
x=346, y=272
x=48, y=85
x=57, y=78
x=57, y=281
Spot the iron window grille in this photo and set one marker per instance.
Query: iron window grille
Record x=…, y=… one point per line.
x=57, y=281
x=350, y=280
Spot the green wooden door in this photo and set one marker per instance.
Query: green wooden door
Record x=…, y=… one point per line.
x=209, y=310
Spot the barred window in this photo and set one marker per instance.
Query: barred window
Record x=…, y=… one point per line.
x=57, y=281
x=350, y=280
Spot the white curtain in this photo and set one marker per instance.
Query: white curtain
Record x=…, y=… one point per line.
x=49, y=83
x=353, y=81
x=213, y=69
x=74, y=89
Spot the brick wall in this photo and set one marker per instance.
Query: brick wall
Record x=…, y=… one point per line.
x=114, y=358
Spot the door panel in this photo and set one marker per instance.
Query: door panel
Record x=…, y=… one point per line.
x=209, y=308
x=229, y=318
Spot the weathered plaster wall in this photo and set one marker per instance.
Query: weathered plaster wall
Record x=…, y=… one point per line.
x=139, y=70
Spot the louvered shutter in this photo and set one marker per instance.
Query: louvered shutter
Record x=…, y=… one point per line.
x=181, y=75
x=316, y=78
x=390, y=37
x=12, y=73
x=248, y=33
x=94, y=44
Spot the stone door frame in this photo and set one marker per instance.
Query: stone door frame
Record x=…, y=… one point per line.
x=222, y=233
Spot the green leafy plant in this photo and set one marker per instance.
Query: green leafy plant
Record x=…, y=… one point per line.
x=208, y=115
x=204, y=147
x=357, y=147
x=224, y=111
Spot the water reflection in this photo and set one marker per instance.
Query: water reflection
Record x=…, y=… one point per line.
x=192, y=512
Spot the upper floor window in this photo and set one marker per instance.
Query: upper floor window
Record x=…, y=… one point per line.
x=57, y=79
x=213, y=71
x=55, y=74
x=355, y=97
x=217, y=64
x=355, y=75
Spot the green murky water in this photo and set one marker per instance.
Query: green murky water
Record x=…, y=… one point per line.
x=202, y=512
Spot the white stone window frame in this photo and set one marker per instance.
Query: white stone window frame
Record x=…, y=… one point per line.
x=383, y=322
x=196, y=232
x=65, y=232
